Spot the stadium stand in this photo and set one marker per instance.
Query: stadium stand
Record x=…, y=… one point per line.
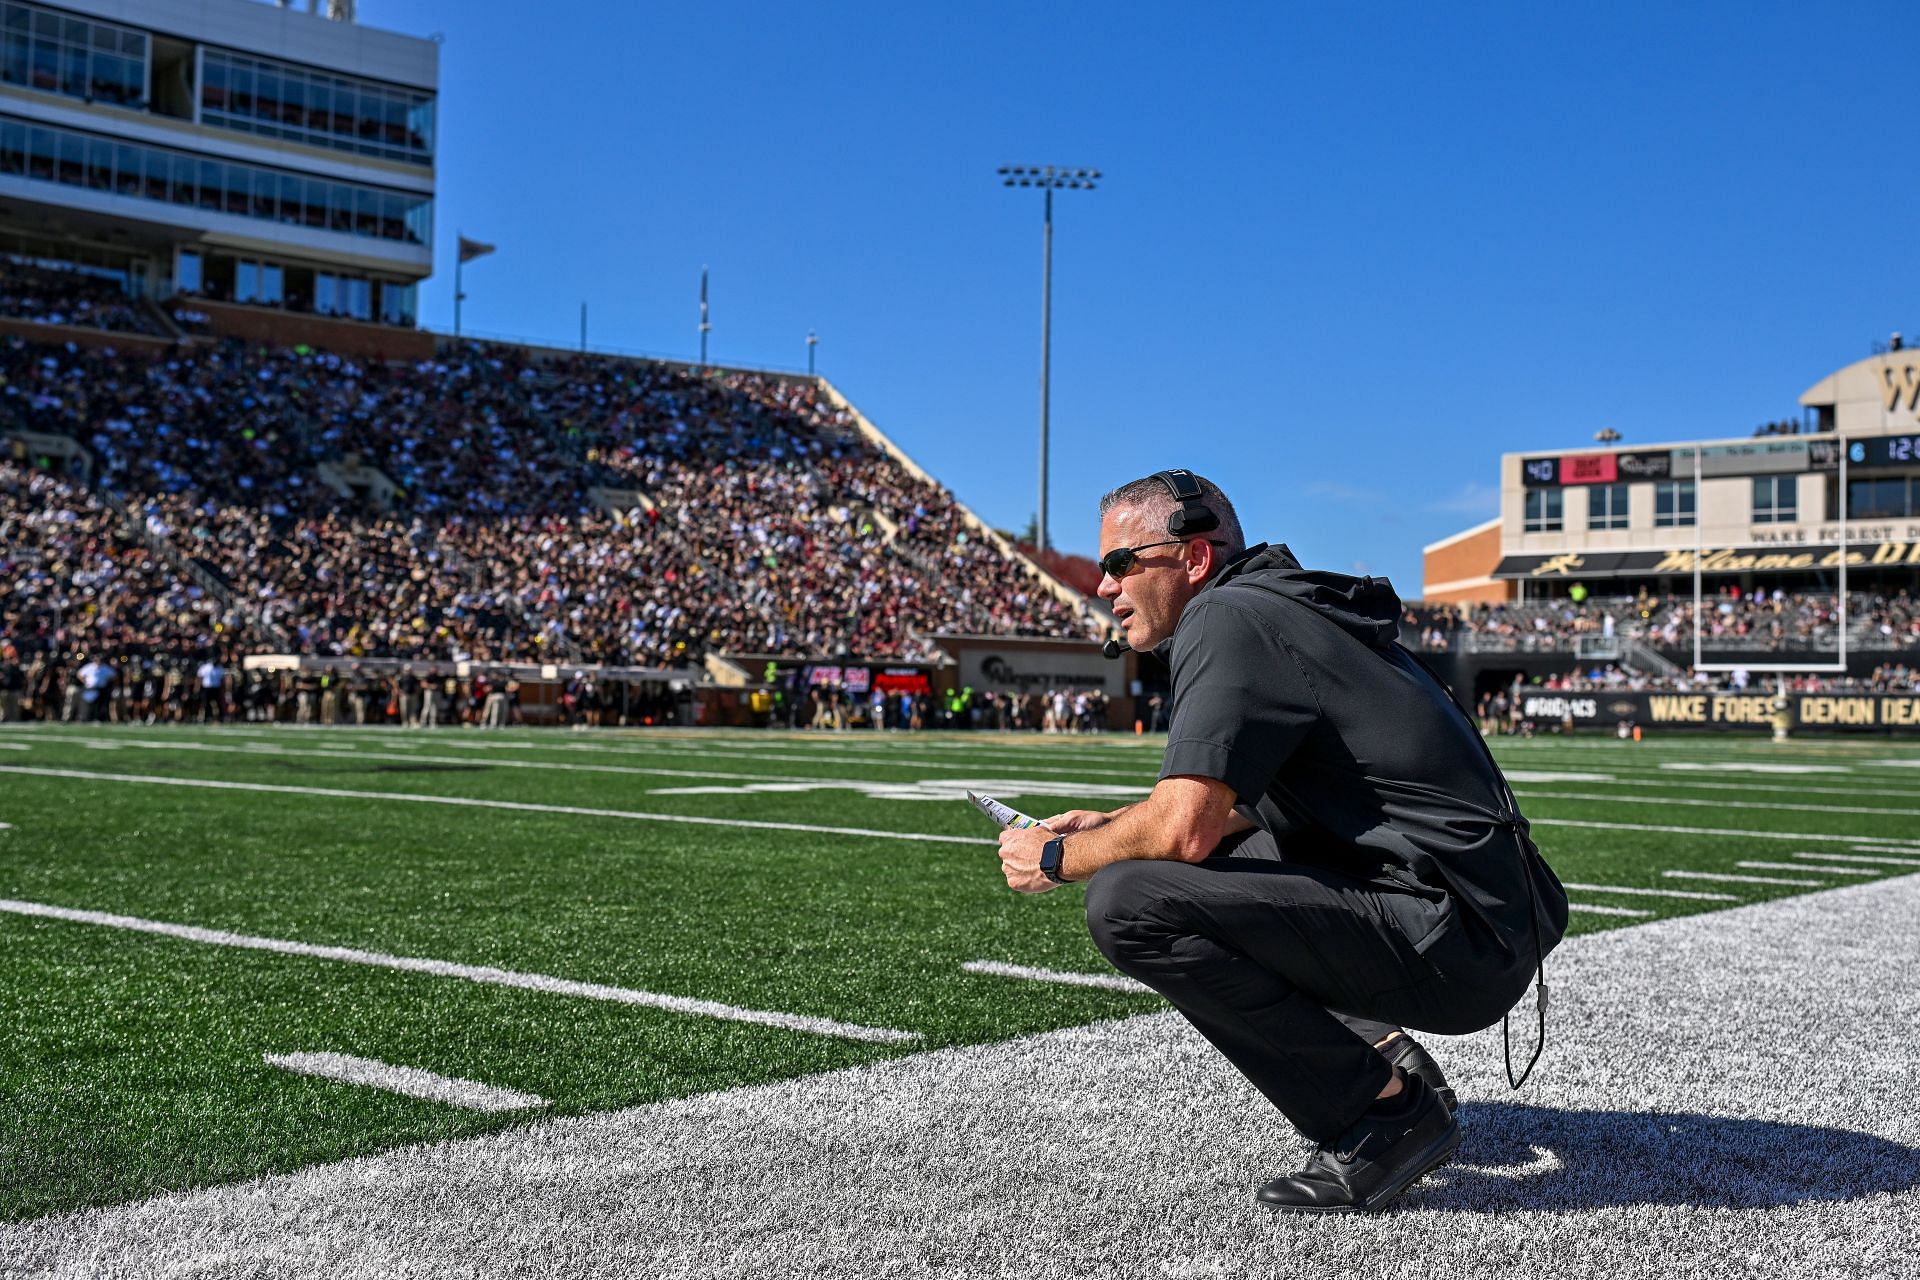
x=63, y=295
x=1774, y=622
x=481, y=505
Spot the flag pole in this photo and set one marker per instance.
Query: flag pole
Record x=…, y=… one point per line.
x=459, y=261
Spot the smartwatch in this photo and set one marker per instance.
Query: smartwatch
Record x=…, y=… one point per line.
x=1050, y=856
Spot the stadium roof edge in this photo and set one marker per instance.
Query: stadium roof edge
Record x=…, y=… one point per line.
x=1463, y=535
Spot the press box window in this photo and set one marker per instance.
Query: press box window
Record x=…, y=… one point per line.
x=1673, y=504
x=1776, y=499
x=1544, y=508
x=1607, y=506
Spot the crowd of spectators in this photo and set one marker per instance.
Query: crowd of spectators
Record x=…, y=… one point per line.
x=73, y=579
x=1063, y=710
x=65, y=295
x=1764, y=620
x=163, y=687
x=480, y=506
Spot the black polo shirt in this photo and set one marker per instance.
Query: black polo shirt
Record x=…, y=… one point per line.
x=1289, y=687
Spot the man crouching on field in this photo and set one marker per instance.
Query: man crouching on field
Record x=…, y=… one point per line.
x=1331, y=854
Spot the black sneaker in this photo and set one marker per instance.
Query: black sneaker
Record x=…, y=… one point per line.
x=1404, y=1052
x=1389, y=1148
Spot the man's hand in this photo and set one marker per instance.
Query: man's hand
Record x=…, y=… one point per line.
x=1020, y=849
x=1077, y=820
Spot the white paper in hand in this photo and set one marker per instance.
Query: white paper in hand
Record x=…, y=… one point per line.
x=1005, y=815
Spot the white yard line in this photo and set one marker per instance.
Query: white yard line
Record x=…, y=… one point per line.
x=1104, y=981
x=1643, y=780
x=341, y=793
x=1753, y=801
x=1802, y=867
x=466, y=972
x=414, y=757
x=277, y=745
x=1729, y=878
x=1744, y=832
x=1861, y=857
x=1874, y=848
x=1595, y=909
x=1650, y=893
x=411, y=1081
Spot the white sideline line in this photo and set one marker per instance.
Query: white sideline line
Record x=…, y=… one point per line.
x=411, y=1081
x=1861, y=857
x=1104, y=981
x=1802, y=867
x=1737, y=879
x=1594, y=825
x=1652, y=893
x=1593, y=908
x=469, y=972
x=340, y=793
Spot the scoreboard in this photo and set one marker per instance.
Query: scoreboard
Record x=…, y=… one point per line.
x=1885, y=451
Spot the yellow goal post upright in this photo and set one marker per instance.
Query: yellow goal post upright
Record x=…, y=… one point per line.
x=1838, y=664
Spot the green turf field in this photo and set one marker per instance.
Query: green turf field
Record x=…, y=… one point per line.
x=840, y=879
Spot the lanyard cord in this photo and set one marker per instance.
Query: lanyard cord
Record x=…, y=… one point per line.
x=1512, y=819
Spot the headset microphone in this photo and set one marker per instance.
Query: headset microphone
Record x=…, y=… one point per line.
x=1111, y=649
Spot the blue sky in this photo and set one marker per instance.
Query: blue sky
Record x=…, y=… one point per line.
x=1344, y=255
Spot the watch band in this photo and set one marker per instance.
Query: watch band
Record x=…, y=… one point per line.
x=1050, y=855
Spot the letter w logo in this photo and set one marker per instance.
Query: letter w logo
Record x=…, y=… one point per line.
x=1905, y=380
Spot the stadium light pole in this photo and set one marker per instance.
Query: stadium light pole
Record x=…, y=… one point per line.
x=813, y=340
x=1048, y=178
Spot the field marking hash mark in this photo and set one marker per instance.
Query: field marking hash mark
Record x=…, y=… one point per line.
x=411, y=1081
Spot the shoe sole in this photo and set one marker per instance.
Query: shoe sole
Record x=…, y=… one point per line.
x=1432, y=1157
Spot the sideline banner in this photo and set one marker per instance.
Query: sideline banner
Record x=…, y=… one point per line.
x=1752, y=710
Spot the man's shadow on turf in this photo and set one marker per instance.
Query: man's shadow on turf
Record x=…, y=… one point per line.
x=1522, y=1157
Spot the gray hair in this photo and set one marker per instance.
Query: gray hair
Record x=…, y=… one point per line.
x=1151, y=494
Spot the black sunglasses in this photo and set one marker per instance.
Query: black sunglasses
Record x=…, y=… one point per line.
x=1119, y=562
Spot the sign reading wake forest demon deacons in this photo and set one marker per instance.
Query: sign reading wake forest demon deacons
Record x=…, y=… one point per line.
x=1711, y=560
x=1885, y=712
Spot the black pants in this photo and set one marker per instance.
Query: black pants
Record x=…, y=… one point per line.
x=1294, y=972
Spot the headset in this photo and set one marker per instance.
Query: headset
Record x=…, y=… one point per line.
x=1193, y=517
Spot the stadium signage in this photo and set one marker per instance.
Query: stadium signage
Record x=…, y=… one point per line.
x=1902, y=384
x=1015, y=671
x=1757, y=457
x=1747, y=711
x=1646, y=466
x=1789, y=558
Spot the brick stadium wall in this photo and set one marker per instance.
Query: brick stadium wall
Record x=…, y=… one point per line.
x=268, y=327
x=81, y=335
x=1456, y=571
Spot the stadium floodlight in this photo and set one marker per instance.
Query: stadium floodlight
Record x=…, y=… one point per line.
x=1049, y=178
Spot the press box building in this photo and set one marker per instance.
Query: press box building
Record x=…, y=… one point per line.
x=241, y=150
x=1753, y=511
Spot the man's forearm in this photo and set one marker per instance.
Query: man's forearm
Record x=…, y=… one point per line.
x=1140, y=830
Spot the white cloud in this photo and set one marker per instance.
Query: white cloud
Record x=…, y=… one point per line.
x=1471, y=498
